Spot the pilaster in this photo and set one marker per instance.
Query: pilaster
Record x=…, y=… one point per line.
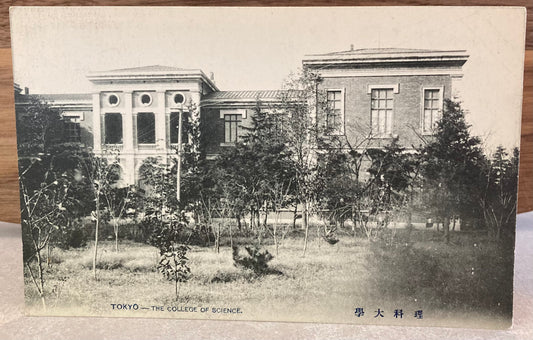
x=97, y=128
x=127, y=123
x=160, y=126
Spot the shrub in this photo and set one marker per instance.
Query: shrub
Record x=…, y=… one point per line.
x=256, y=260
x=74, y=235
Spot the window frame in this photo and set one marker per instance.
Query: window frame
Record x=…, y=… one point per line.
x=342, y=126
x=118, y=114
x=223, y=114
x=423, y=109
x=139, y=114
x=140, y=99
x=394, y=90
x=72, y=137
x=109, y=95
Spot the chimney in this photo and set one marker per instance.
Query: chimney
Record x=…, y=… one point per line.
x=212, y=76
x=351, y=47
x=26, y=90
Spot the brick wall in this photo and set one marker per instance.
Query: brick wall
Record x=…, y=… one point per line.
x=407, y=104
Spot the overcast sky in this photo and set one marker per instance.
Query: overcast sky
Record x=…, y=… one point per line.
x=256, y=48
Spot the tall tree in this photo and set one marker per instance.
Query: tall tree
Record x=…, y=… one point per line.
x=46, y=181
x=99, y=173
x=452, y=166
x=301, y=102
x=498, y=198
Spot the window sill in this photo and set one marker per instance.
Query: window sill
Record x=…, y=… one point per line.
x=147, y=146
x=227, y=144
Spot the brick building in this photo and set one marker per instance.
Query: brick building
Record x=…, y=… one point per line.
x=377, y=94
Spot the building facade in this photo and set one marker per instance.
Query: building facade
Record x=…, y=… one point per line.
x=372, y=94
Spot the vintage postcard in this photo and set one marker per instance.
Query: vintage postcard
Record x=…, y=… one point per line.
x=329, y=165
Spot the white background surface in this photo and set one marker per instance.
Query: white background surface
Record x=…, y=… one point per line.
x=14, y=325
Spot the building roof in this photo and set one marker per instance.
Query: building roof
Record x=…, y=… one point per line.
x=247, y=97
x=390, y=56
x=63, y=97
x=80, y=101
x=151, y=72
x=150, y=69
x=251, y=95
x=377, y=51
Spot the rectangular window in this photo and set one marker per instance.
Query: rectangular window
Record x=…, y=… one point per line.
x=72, y=132
x=174, y=122
x=145, y=128
x=231, y=126
x=382, y=111
x=432, y=109
x=113, y=128
x=335, y=118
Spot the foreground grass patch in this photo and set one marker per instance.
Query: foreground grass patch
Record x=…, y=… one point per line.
x=326, y=284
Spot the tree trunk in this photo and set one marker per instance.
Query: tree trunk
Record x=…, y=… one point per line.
x=176, y=288
x=251, y=219
x=295, y=216
x=239, y=225
x=116, y=236
x=41, y=278
x=446, y=226
x=230, y=236
x=306, y=225
x=409, y=223
x=97, y=225
x=48, y=261
x=454, y=221
x=275, y=232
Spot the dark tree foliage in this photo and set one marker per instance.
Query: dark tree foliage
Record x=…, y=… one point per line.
x=50, y=188
x=452, y=166
x=391, y=174
x=255, y=260
x=385, y=189
x=248, y=175
x=499, y=195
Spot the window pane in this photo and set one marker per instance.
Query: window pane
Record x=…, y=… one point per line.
x=113, y=128
x=427, y=120
x=381, y=118
x=389, y=121
x=174, y=122
x=231, y=123
x=436, y=117
x=72, y=132
x=146, y=128
x=375, y=128
x=431, y=109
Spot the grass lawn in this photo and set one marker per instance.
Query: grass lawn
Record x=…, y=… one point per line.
x=454, y=285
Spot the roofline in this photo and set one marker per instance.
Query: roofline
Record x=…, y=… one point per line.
x=459, y=56
x=101, y=76
x=414, y=51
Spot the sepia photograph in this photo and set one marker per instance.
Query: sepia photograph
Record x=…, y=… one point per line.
x=325, y=165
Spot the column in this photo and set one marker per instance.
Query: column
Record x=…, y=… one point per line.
x=160, y=125
x=97, y=128
x=127, y=124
